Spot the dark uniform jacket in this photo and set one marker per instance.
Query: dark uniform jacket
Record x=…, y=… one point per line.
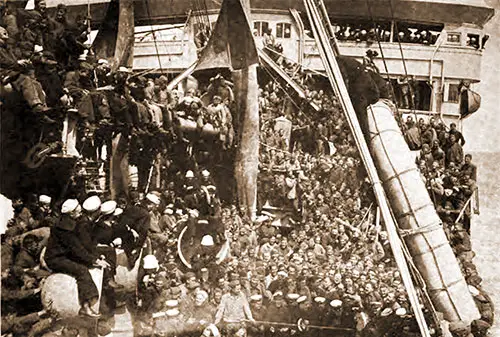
x=65, y=241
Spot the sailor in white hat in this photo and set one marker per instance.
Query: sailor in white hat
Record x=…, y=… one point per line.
x=207, y=241
x=153, y=199
x=72, y=208
x=190, y=184
x=44, y=211
x=44, y=200
x=108, y=207
x=68, y=253
x=104, y=234
x=92, y=208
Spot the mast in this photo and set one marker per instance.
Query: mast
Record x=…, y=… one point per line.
x=319, y=20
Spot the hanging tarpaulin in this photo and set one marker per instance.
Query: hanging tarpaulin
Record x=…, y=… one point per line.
x=232, y=44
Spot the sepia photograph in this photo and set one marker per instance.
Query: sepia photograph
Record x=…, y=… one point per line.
x=249, y=168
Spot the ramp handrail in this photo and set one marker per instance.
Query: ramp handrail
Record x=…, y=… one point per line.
x=268, y=61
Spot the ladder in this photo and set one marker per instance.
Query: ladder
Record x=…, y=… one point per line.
x=328, y=49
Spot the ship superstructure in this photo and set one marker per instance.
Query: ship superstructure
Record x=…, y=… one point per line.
x=438, y=44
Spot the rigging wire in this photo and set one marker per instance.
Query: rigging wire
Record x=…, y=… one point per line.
x=154, y=35
x=410, y=85
x=377, y=36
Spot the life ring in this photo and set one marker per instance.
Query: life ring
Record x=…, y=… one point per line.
x=36, y=156
x=184, y=252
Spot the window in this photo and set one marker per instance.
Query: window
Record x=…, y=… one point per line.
x=453, y=93
x=473, y=40
x=260, y=27
x=453, y=38
x=283, y=30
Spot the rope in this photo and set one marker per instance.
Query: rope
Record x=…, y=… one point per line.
x=420, y=230
x=398, y=115
x=404, y=63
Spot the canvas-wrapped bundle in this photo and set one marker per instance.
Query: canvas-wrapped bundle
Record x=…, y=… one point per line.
x=417, y=218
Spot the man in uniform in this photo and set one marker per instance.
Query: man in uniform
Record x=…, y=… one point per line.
x=66, y=254
x=20, y=73
x=136, y=219
x=43, y=215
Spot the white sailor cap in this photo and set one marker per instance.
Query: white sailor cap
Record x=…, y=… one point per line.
x=37, y=48
x=172, y=312
x=256, y=297
x=207, y=241
x=336, y=303
x=386, y=312
x=124, y=70
x=292, y=296
x=108, y=207
x=319, y=299
x=150, y=262
x=201, y=296
x=301, y=299
x=171, y=303
x=44, y=199
x=102, y=61
x=69, y=206
x=92, y=204
x=205, y=173
x=118, y=211
x=153, y=198
x=189, y=174
x=279, y=293
x=401, y=311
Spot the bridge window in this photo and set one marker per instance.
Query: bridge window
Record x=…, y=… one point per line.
x=260, y=27
x=283, y=30
x=473, y=40
x=453, y=38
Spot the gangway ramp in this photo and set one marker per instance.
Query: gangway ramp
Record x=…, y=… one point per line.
x=268, y=62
